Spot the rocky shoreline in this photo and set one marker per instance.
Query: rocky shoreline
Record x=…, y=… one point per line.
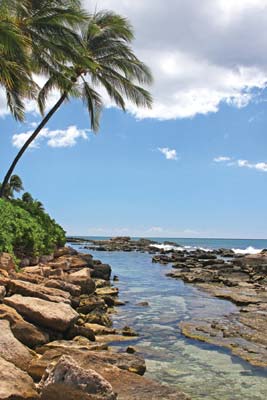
x=56, y=328
x=241, y=279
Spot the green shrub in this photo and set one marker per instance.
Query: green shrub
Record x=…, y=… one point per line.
x=26, y=230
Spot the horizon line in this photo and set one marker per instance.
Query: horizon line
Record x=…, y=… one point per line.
x=162, y=237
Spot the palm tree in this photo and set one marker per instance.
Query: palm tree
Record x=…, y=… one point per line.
x=15, y=185
x=35, y=37
x=15, y=71
x=105, y=59
x=27, y=198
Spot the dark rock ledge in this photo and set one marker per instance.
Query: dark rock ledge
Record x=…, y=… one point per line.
x=55, y=333
x=239, y=279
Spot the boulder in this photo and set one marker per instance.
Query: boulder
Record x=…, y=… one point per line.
x=15, y=384
x=7, y=262
x=56, y=316
x=11, y=349
x=86, y=357
x=78, y=330
x=128, y=385
x=4, y=278
x=83, y=279
x=64, y=251
x=2, y=292
x=25, y=332
x=77, y=262
x=107, y=291
x=33, y=290
x=78, y=343
x=100, y=329
x=67, y=380
x=74, y=290
x=101, y=271
x=90, y=303
x=46, y=259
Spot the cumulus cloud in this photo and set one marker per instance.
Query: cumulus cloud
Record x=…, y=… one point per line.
x=199, y=56
x=54, y=138
x=230, y=162
x=170, y=154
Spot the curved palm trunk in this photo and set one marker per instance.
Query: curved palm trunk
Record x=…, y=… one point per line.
x=29, y=141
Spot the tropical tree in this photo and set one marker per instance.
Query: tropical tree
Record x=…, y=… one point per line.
x=15, y=185
x=27, y=198
x=105, y=60
x=35, y=37
x=15, y=71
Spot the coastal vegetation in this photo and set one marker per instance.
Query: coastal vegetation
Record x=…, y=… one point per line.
x=26, y=230
x=76, y=54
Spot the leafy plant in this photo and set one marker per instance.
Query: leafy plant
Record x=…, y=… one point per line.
x=26, y=230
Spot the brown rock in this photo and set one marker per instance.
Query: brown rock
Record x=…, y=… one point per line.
x=25, y=332
x=100, y=329
x=2, y=292
x=56, y=316
x=78, y=343
x=64, y=251
x=32, y=290
x=4, y=278
x=7, y=262
x=67, y=380
x=128, y=385
x=83, y=279
x=107, y=291
x=11, y=349
x=74, y=290
x=90, y=303
x=101, y=271
x=15, y=384
x=78, y=330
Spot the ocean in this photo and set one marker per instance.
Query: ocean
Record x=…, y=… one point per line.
x=242, y=246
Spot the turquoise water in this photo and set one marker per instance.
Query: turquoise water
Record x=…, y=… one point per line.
x=199, y=369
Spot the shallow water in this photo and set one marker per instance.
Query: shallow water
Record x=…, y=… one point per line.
x=199, y=369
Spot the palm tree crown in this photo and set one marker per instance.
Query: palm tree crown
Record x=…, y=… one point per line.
x=80, y=55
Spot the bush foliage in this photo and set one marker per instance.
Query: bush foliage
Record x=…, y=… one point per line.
x=27, y=230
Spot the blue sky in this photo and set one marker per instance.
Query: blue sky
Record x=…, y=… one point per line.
x=118, y=182
x=193, y=167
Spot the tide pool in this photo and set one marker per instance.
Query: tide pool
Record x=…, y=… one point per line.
x=199, y=369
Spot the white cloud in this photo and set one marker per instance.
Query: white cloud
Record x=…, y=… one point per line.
x=54, y=138
x=197, y=54
x=259, y=166
x=170, y=154
x=221, y=159
x=200, y=56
